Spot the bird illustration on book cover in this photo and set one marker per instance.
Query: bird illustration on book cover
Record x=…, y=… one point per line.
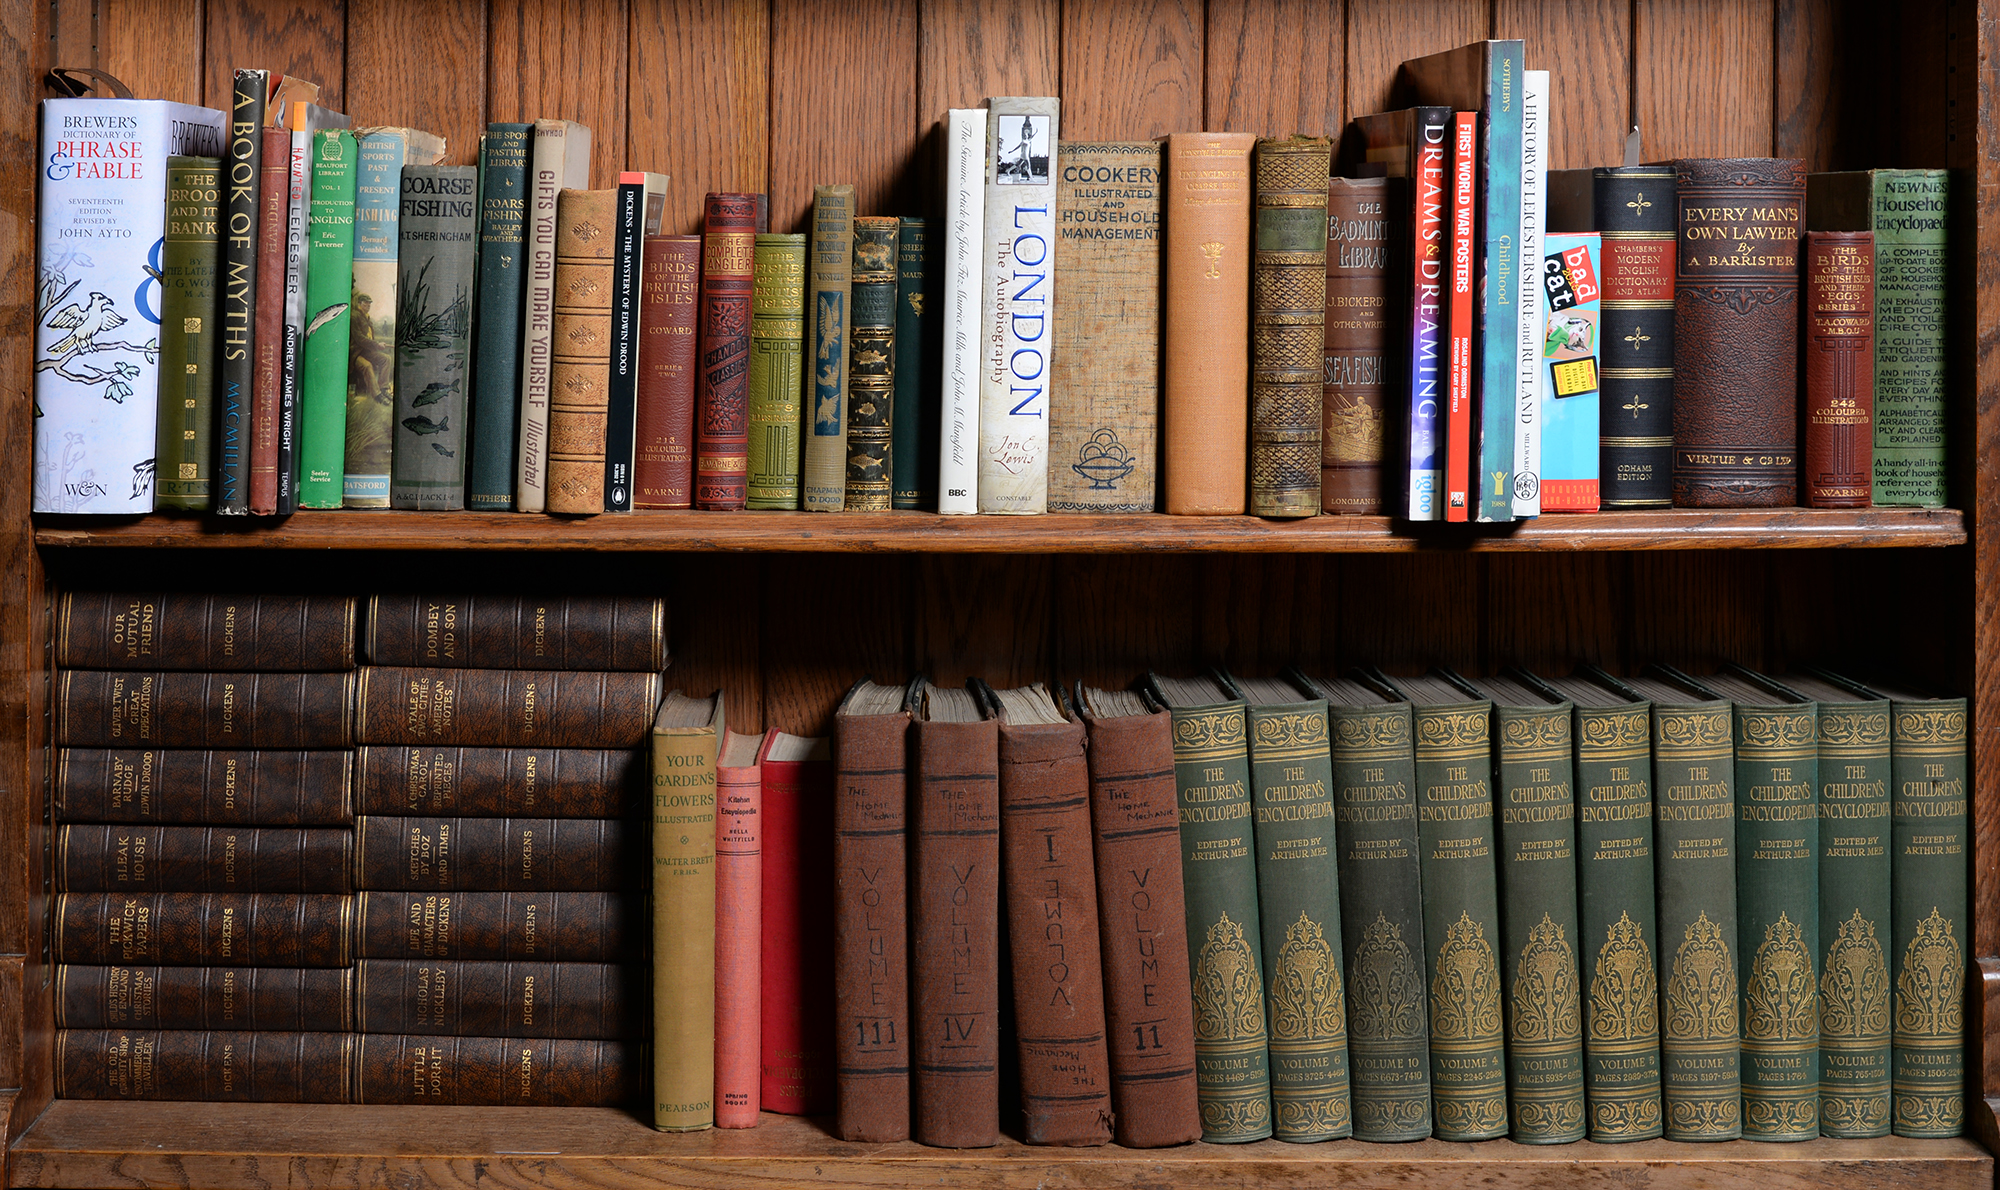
x=89, y=355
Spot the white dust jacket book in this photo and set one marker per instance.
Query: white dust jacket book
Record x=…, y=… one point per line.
x=1535, y=142
x=964, y=232
x=102, y=225
x=560, y=161
x=1017, y=306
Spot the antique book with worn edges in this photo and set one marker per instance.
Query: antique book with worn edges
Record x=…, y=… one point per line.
x=1205, y=375
x=178, y=630
x=914, y=436
x=329, y=321
x=686, y=739
x=548, y=927
x=730, y=223
x=964, y=207
x=214, y=1067
x=663, y=443
x=93, y=858
x=506, y=708
x=1839, y=394
x=190, y=281
x=739, y=931
x=580, y=349
x=777, y=371
x=496, y=854
x=642, y=198
x=503, y=271
x=1017, y=306
x=1365, y=241
x=126, y=709
x=497, y=782
x=273, y=999
x=799, y=1066
x=829, y=296
x=609, y=632
x=180, y=786
x=203, y=929
x=871, y=367
x=496, y=1072
x=1288, y=323
x=435, y=289
x=558, y=160
x=454, y=998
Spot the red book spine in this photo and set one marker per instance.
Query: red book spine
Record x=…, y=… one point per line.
x=663, y=441
x=1458, y=432
x=1840, y=369
x=797, y=967
x=273, y=194
x=739, y=927
x=722, y=449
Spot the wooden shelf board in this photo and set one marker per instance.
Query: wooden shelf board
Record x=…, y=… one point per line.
x=219, y=1146
x=912, y=532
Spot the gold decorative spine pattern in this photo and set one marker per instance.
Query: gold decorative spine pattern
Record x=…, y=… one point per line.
x=1287, y=326
x=580, y=354
x=777, y=342
x=1854, y=986
x=871, y=371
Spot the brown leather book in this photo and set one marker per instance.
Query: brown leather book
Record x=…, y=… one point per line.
x=518, y=632
x=284, y=999
x=1148, y=1006
x=1052, y=920
x=871, y=952
x=499, y=999
x=1206, y=397
x=1840, y=369
x=1736, y=331
x=497, y=1071
x=175, y=785
x=505, y=708
x=1288, y=321
x=267, y=376
x=730, y=223
x=125, y=859
x=240, y=633
x=955, y=923
x=663, y=443
x=499, y=782
x=127, y=709
x=1363, y=219
x=498, y=854
x=553, y=927
x=212, y=1067
x=580, y=350
x=203, y=929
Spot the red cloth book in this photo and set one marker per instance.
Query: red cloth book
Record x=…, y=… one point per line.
x=730, y=224
x=739, y=927
x=1458, y=477
x=797, y=974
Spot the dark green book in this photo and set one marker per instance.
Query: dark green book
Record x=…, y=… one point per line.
x=1454, y=768
x=913, y=439
x=1298, y=904
x=1219, y=870
x=189, y=258
x=1381, y=910
x=871, y=368
x=438, y=252
x=496, y=373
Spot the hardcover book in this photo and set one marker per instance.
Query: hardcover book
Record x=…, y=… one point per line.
x=435, y=264
x=505, y=708
x=497, y=782
x=189, y=280
x=871, y=369
x=829, y=289
x=182, y=1064
x=496, y=1072
x=739, y=932
x=496, y=375
x=1531, y=423
x=1205, y=375
x=242, y=296
x=1288, y=324
x=551, y=927
x=777, y=370
x=797, y=964
x=184, y=785
x=267, y=379
x=1365, y=240
x=306, y=121
x=497, y=854
x=127, y=859
x=914, y=437
x=461, y=631
x=580, y=350
x=1839, y=369
x=1017, y=305
x=329, y=319
x=663, y=446
x=137, y=708
x=642, y=197
x=964, y=203
x=203, y=929
x=499, y=999
x=1462, y=185
x=730, y=224
x=559, y=160
x=1568, y=348
x=686, y=736
x=259, y=999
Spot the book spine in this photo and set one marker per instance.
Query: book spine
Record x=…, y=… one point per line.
x=1288, y=326
x=1017, y=307
x=298, y=201
x=1496, y=387
x=189, y=255
x=260, y=999
x=213, y=1067
x=955, y=937
x=622, y=401
x=1429, y=370
x=497, y=1072
x=1463, y=170
x=1219, y=870
x=183, y=786
x=1461, y=919
x=486, y=999
x=435, y=287
x=1568, y=311
x=871, y=945
x=496, y=375
x=1839, y=369
x=830, y=286
x=494, y=854
x=1696, y=875
x=169, y=630
x=580, y=351
x=547, y=170
x=498, y=782
x=728, y=277
x=777, y=371
x=243, y=170
x=1854, y=907
x=1205, y=375
x=1364, y=219
x=371, y=348
x=1928, y=916
x=871, y=369
x=123, y=859
x=958, y=372
x=1298, y=904
x=1531, y=424
x=1382, y=924
x=1148, y=1006
x=1635, y=212
x=798, y=1048
x=504, y=708
x=328, y=306
x=1911, y=211
x=914, y=434
x=1616, y=921
x=268, y=355
x=663, y=448
x=551, y=927
x=1052, y=921
x=203, y=929
x=684, y=796
x=119, y=709
x=1537, y=870
x=515, y=632
x=739, y=930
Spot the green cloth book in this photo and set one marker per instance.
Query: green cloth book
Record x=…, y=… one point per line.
x=189, y=257
x=436, y=264
x=914, y=437
x=777, y=369
x=329, y=290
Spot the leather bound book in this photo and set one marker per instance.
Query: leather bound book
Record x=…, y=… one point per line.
x=554, y=927
x=663, y=443
x=436, y=264
x=1135, y=817
x=1288, y=323
x=1364, y=241
x=190, y=283
x=1839, y=469
x=125, y=709
x=739, y=931
x=686, y=740
x=580, y=349
x=212, y=1067
x=164, y=630
x=515, y=632
x=1736, y=330
x=730, y=223
x=777, y=371
x=828, y=290
x=1205, y=390
x=203, y=929
x=497, y=1072
x=796, y=781
x=499, y=782
x=871, y=368
x=871, y=943
x=918, y=359
x=475, y=999
x=170, y=785
x=273, y=999
x=497, y=854
x=509, y=708
x=268, y=359
x=203, y=859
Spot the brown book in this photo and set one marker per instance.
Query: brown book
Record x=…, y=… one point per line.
x=239, y=633
x=213, y=1067
x=552, y=927
x=454, y=998
x=497, y=854
x=1736, y=331
x=176, y=785
x=505, y=708
x=871, y=955
x=1288, y=321
x=1205, y=403
x=1840, y=369
x=730, y=223
x=126, y=709
x=663, y=442
x=268, y=363
x=518, y=632
x=1148, y=1006
x=1361, y=220
x=125, y=859
x=580, y=349
x=263, y=999
x=496, y=1071
x=203, y=929
x=499, y=782
x=1052, y=920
